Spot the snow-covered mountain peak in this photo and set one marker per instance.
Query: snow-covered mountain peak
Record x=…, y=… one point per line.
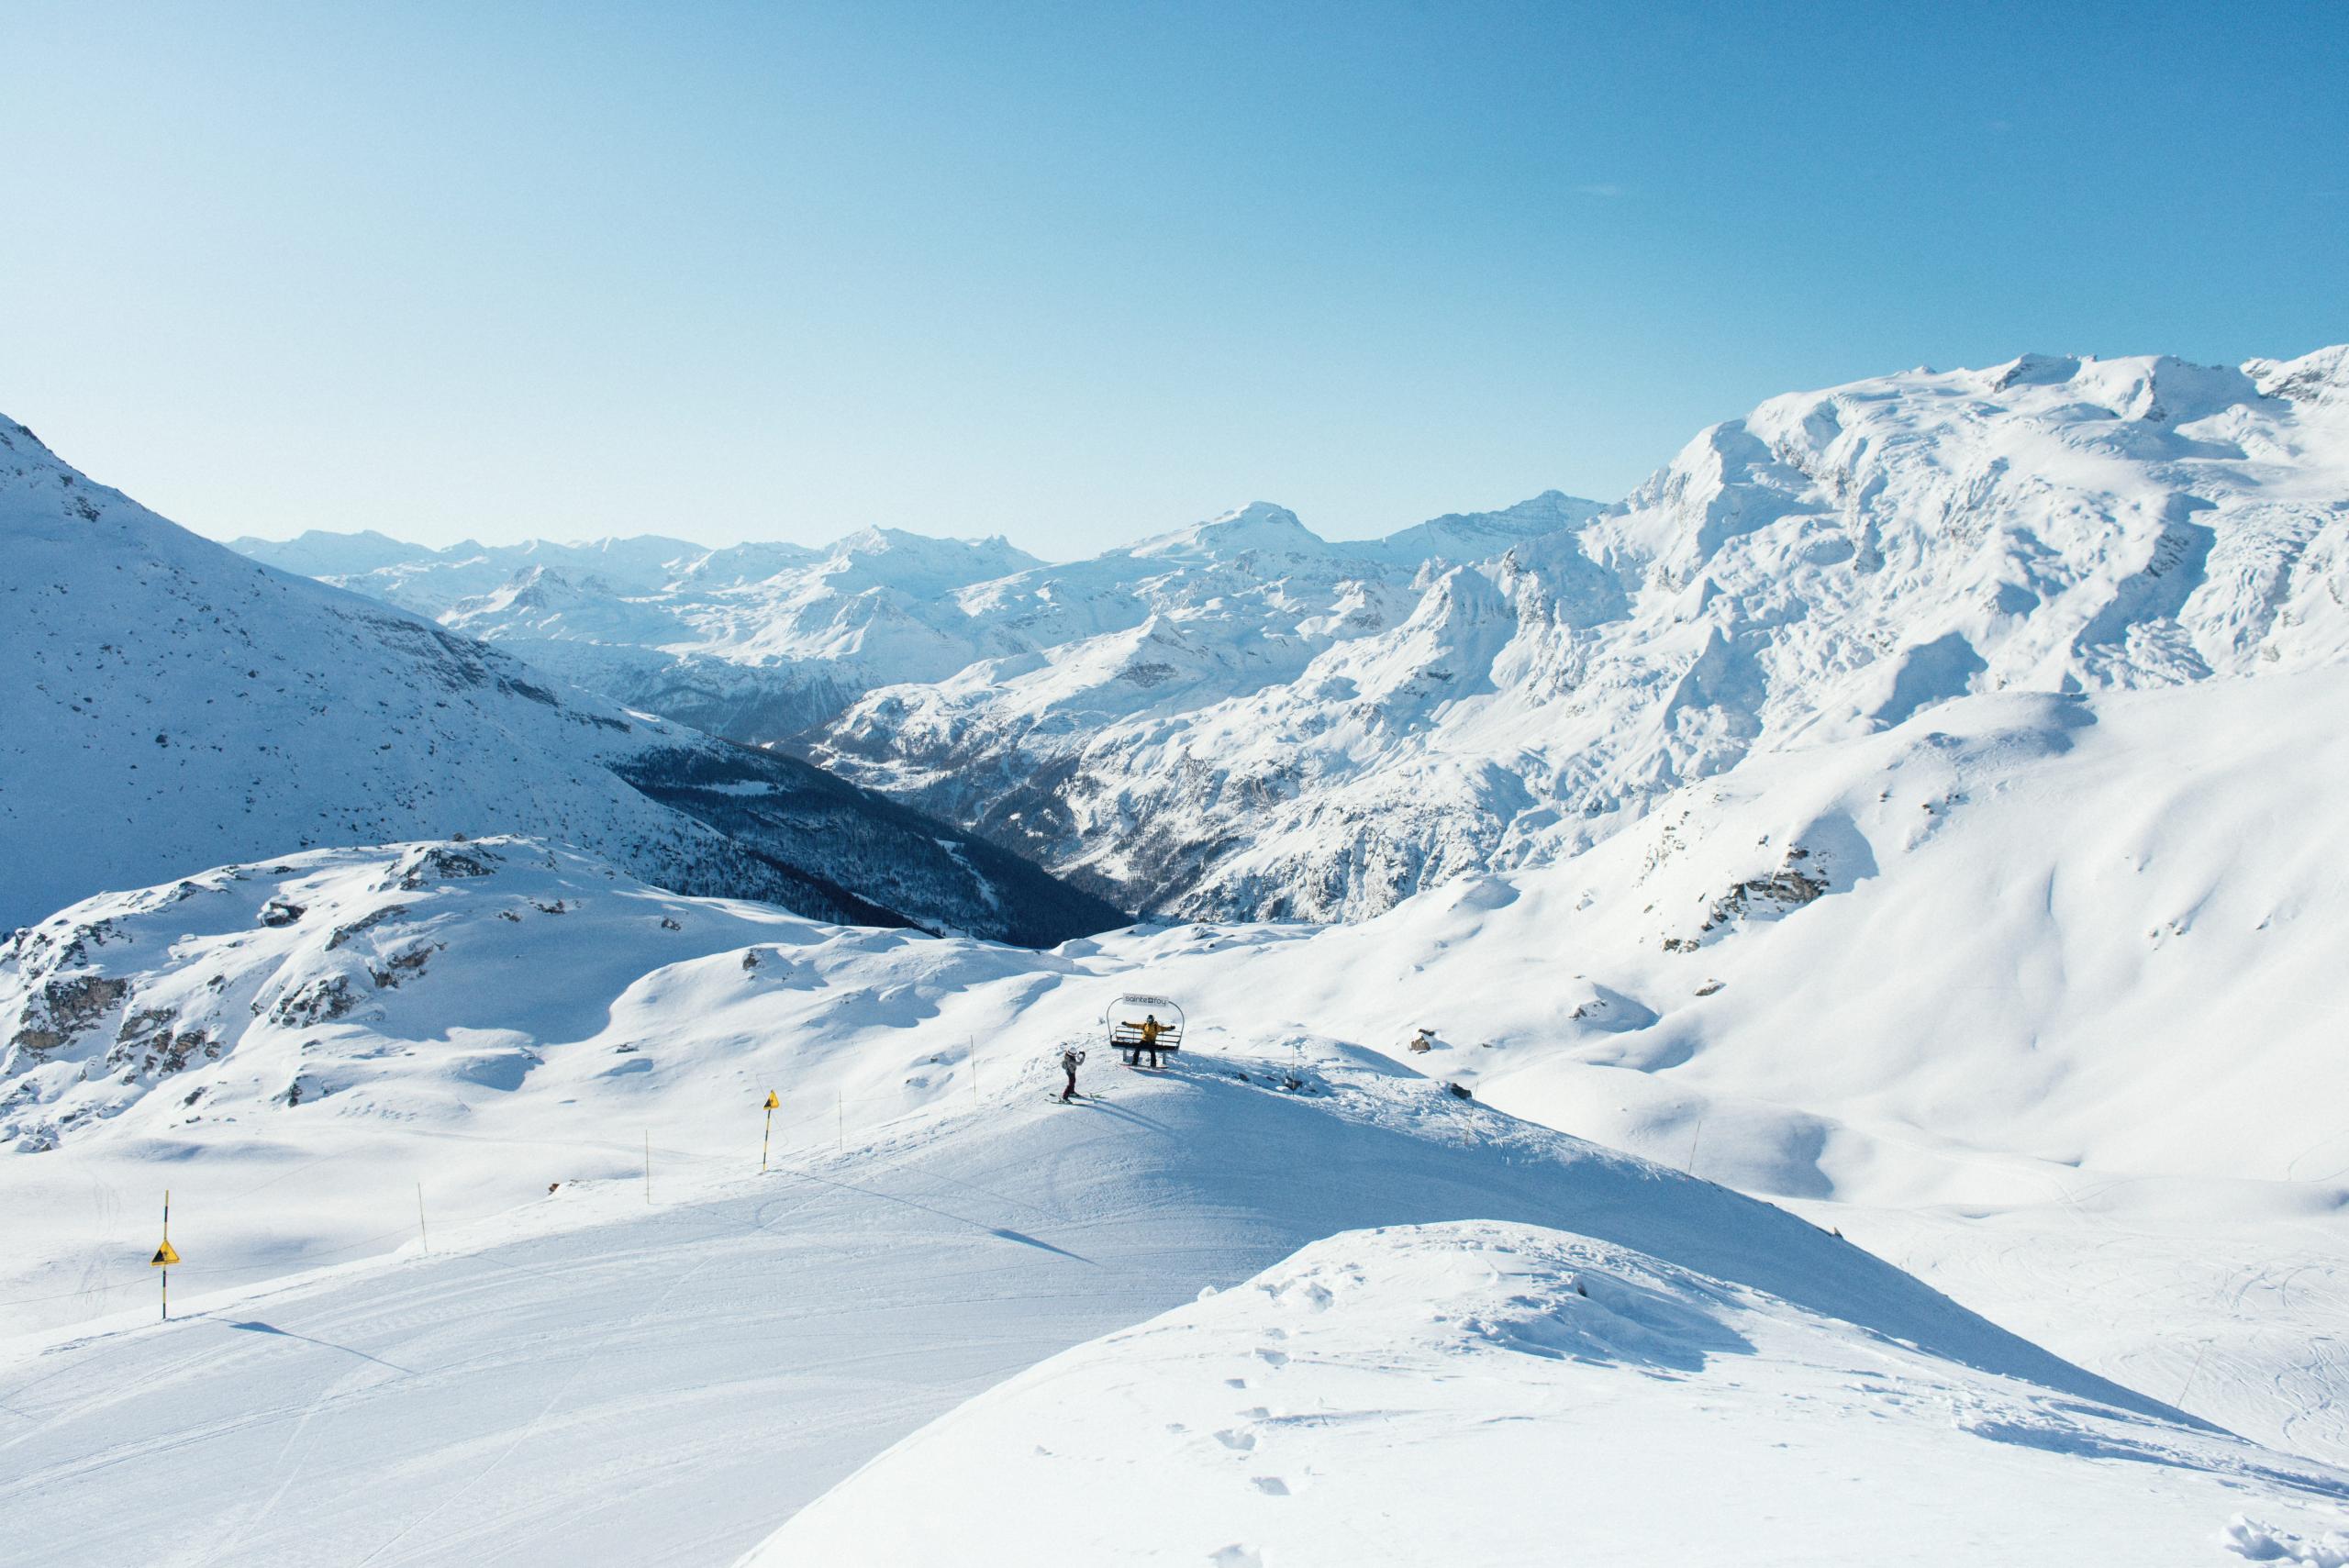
x=2319, y=380
x=1481, y=536
x=917, y=564
x=1828, y=563
x=1260, y=525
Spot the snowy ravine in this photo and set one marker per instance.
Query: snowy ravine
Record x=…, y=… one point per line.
x=169, y=704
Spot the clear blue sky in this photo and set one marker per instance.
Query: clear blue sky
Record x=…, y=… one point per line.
x=1076, y=273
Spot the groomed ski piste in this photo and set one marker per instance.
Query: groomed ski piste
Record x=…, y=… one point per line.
x=608, y=1336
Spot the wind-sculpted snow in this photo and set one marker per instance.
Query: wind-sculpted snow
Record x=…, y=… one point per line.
x=1486, y=1393
x=170, y=704
x=2032, y=995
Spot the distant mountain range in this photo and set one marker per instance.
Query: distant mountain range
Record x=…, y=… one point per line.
x=1243, y=718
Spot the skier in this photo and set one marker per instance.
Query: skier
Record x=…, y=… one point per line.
x=1071, y=1060
x=1149, y=1027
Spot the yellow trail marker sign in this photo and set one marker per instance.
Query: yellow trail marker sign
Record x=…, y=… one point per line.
x=772, y=1101
x=164, y=1257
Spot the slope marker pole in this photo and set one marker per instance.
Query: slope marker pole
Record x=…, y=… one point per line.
x=768, y=1140
x=164, y=1257
x=1693, y=1139
x=423, y=1236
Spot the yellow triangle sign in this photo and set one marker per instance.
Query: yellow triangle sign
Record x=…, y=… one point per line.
x=773, y=1103
x=163, y=1257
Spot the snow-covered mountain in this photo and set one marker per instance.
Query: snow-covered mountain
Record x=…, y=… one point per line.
x=1240, y=719
x=1827, y=565
x=170, y=704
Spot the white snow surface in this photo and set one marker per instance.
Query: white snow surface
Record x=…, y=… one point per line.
x=661, y=1369
x=1489, y=1393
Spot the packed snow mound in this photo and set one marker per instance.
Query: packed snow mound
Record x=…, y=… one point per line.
x=1483, y=1392
x=1830, y=565
x=171, y=705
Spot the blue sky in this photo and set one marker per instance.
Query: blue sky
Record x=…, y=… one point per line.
x=1078, y=273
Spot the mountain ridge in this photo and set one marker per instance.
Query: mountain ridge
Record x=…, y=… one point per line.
x=179, y=701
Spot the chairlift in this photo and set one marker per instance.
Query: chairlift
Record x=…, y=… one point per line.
x=1144, y=1025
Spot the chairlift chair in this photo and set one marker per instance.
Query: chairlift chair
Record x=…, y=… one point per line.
x=1128, y=1020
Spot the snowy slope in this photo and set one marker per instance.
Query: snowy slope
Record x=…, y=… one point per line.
x=661, y=1371
x=1485, y=1393
x=2035, y=995
x=170, y=705
x=2042, y=1011
x=1825, y=566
